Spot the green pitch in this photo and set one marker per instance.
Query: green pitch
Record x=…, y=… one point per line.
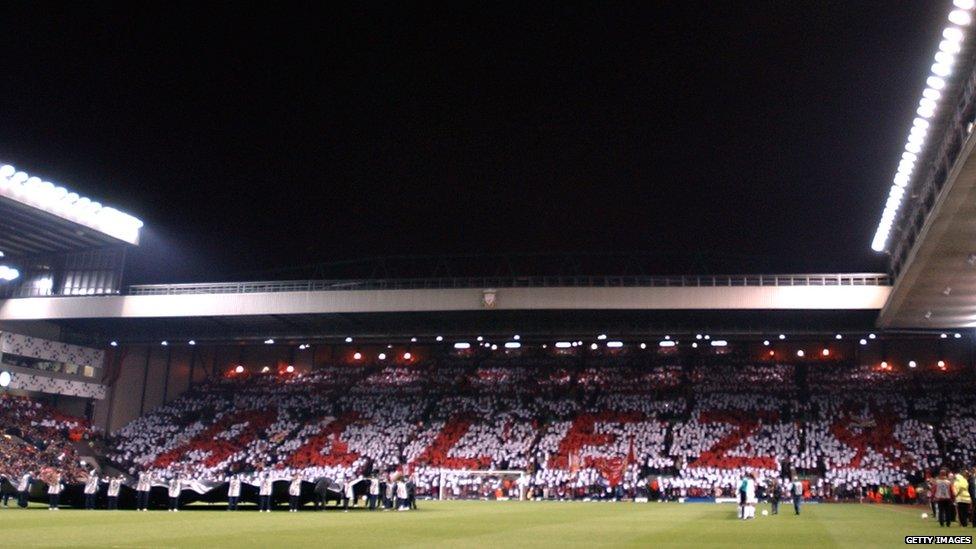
x=475, y=524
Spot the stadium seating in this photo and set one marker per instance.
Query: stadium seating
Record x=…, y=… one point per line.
x=38, y=438
x=601, y=429
x=578, y=430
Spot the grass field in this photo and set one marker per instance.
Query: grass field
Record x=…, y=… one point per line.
x=475, y=524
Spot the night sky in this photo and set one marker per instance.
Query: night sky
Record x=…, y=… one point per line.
x=759, y=135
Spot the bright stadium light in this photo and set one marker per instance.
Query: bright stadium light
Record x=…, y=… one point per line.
x=164, y=343
x=357, y=356
x=766, y=342
x=516, y=337
x=239, y=369
x=800, y=353
x=512, y=345
x=945, y=58
x=290, y=369
x=8, y=274
x=269, y=342
x=838, y=336
x=719, y=343
x=601, y=337
x=960, y=17
x=912, y=364
x=950, y=47
x=668, y=344
x=5, y=379
x=863, y=341
x=114, y=343
x=462, y=345
x=413, y=340
x=382, y=356
x=615, y=344
x=191, y=342
x=917, y=138
x=957, y=335
x=927, y=107
x=563, y=344
x=348, y=340
x=407, y=356
x=439, y=338
x=32, y=191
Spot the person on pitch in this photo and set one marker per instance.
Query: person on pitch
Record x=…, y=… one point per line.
x=742, y=497
x=943, y=496
x=402, y=496
x=374, y=492
x=114, y=485
x=54, y=492
x=294, y=493
x=264, y=493
x=91, y=490
x=5, y=493
x=175, y=488
x=796, y=491
x=972, y=494
x=23, y=489
x=747, y=497
x=775, y=493
x=143, y=486
x=233, y=492
x=960, y=487
x=411, y=493
x=348, y=494
x=390, y=494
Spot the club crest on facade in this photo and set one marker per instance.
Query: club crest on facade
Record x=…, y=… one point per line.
x=489, y=298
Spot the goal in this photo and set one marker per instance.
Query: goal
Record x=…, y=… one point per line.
x=500, y=485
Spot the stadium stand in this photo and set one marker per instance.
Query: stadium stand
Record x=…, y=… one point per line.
x=608, y=427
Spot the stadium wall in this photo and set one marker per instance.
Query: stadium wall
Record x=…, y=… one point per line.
x=468, y=299
x=152, y=375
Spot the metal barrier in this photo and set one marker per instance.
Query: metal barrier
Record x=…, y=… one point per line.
x=856, y=279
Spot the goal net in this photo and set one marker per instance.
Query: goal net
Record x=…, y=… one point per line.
x=500, y=485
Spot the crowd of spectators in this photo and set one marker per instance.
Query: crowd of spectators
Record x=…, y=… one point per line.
x=589, y=429
x=37, y=437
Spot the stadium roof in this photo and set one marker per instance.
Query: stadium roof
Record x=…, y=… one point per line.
x=39, y=217
x=937, y=286
x=929, y=224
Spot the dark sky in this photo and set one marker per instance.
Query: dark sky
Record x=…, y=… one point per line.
x=763, y=132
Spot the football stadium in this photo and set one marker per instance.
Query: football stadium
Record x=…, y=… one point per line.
x=483, y=398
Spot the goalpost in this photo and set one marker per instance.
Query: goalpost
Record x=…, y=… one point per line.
x=497, y=484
